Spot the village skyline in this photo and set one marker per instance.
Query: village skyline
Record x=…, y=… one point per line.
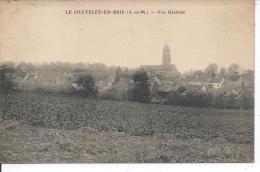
x=242, y=68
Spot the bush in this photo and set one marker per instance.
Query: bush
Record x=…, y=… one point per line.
x=6, y=83
x=86, y=86
x=243, y=100
x=141, y=91
x=217, y=101
x=190, y=98
x=198, y=99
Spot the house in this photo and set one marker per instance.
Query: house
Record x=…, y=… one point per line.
x=215, y=82
x=162, y=85
x=118, y=90
x=45, y=80
x=195, y=80
x=204, y=82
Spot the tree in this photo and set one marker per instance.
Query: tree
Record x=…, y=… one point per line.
x=87, y=86
x=181, y=89
x=176, y=97
x=223, y=71
x=233, y=69
x=212, y=69
x=198, y=73
x=6, y=83
x=117, y=74
x=141, y=90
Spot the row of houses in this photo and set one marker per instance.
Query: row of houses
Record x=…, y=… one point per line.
x=205, y=81
x=163, y=84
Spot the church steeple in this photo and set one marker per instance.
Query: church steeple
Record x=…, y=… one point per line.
x=166, y=55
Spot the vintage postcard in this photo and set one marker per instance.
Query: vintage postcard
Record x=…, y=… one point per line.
x=127, y=81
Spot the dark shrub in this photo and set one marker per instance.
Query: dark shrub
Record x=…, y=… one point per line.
x=190, y=98
x=141, y=91
x=86, y=86
x=6, y=83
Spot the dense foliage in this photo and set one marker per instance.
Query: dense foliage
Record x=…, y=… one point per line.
x=244, y=100
x=141, y=91
x=6, y=83
x=86, y=86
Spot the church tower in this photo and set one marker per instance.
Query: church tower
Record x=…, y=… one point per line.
x=166, y=55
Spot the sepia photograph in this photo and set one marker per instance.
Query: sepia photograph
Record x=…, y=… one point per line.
x=127, y=81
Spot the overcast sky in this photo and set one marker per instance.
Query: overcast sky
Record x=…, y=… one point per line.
x=218, y=31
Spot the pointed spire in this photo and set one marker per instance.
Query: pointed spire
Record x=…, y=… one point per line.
x=166, y=54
